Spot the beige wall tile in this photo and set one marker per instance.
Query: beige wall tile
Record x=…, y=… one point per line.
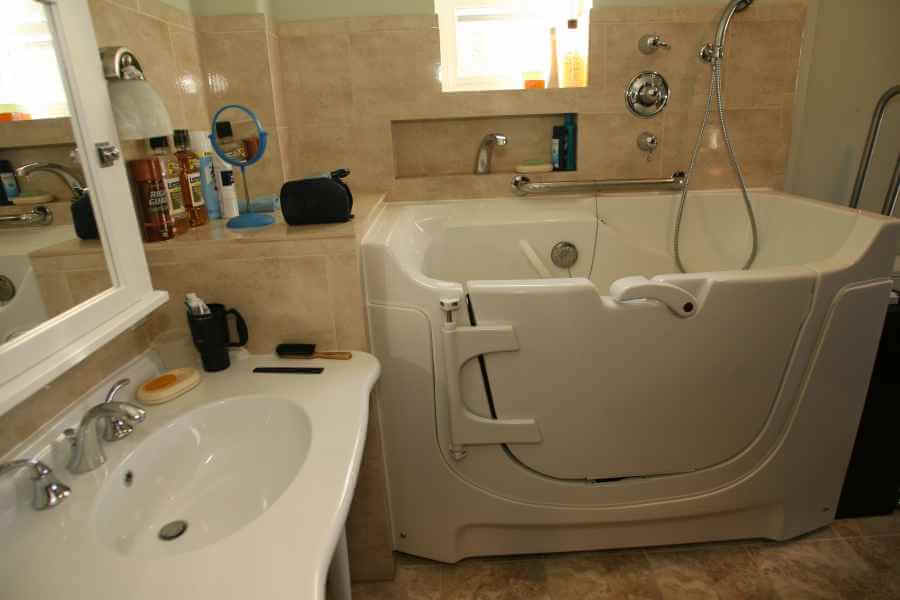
x=190, y=78
x=607, y=146
x=40, y=132
x=316, y=27
x=394, y=74
x=317, y=79
x=274, y=54
x=762, y=62
x=758, y=140
x=315, y=149
x=237, y=71
x=231, y=23
x=149, y=39
x=282, y=299
x=345, y=286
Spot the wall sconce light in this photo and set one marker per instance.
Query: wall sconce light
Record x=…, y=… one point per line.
x=139, y=111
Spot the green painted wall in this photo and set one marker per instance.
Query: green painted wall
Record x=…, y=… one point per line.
x=293, y=10
x=184, y=5
x=852, y=61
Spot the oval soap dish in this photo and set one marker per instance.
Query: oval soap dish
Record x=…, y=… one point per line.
x=168, y=386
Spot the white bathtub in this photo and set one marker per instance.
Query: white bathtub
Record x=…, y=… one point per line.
x=569, y=409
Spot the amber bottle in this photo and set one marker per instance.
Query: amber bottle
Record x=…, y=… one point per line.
x=149, y=183
x=172, y=174
x=190, y=179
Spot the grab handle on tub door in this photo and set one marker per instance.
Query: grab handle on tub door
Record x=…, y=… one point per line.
x=679, y=301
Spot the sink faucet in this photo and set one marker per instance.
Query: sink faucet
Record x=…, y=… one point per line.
x=75, y=184
x=87, y=448
x=48, y=490
x=486, y=151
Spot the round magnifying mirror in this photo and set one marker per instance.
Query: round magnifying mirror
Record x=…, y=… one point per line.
x=239, y=140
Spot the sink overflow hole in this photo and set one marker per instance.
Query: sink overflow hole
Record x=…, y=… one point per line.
x=129, y=479
x=172, y=531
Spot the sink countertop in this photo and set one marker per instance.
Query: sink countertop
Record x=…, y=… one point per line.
x=283, y=554
x=216, y=232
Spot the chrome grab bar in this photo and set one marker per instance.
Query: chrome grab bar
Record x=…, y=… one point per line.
x=39, y=215
x=524, y=185
x=877, y=118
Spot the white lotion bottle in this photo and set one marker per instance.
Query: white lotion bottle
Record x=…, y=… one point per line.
x=228, y=199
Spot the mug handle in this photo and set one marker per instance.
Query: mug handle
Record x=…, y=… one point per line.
x=243, y=334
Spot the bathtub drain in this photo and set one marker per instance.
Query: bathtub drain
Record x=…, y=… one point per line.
x=172, y=531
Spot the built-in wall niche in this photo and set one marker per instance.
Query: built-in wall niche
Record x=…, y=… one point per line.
x=449, y=146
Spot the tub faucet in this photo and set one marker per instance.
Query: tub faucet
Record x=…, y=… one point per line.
x=486, y=151
x=70, y=179
x=87, y=447
x=48, y=490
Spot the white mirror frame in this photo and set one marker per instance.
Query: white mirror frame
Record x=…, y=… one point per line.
x=36, y=358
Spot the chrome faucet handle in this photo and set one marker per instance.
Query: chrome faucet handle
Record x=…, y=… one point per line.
x=652, y=42
x=48, y=490
x=116, y=428
x=87, y=449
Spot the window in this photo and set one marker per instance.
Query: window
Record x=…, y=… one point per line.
x=512, y=44
x=30, y=82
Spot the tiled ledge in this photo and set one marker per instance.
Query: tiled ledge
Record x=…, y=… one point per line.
x=217, y=233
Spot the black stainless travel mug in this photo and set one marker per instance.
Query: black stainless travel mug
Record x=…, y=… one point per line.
x=212, y=338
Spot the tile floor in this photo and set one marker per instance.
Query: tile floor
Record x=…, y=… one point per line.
x=856, y=559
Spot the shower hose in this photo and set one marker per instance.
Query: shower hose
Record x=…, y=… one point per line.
x=715, y=87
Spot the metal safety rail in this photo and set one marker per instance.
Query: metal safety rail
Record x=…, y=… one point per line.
x=524, y=185
x=39, y=215
x=890, y=201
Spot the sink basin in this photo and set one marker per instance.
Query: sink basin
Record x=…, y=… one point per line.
x=215, y=469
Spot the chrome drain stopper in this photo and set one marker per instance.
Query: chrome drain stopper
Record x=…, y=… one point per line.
x=172, y=531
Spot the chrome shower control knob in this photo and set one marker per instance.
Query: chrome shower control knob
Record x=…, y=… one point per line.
x=652, y=42
x=647, y=142
x=647, y=94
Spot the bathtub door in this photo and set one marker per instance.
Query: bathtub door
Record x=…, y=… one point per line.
x=630, y=389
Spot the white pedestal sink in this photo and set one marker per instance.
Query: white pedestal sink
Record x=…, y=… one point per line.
x=260, y=468
x=214, y=469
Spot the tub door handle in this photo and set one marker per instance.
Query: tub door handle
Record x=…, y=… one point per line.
x=678, y=300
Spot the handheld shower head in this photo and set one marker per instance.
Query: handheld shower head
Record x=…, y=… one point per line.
x=715, y=50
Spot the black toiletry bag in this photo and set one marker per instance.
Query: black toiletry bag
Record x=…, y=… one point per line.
x=322, y=199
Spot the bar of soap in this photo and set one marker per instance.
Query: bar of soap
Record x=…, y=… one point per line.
x=534, y=168
x=168, y=386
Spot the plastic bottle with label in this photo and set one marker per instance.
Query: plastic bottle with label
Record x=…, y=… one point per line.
x=149, y=187
x=190, y=179
x=172, y=173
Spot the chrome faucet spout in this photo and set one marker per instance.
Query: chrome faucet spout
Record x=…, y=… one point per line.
x=70, y=179
x=87, y=447
x=486, y=152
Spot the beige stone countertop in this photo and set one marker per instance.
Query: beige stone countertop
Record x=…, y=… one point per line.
x=216, y=232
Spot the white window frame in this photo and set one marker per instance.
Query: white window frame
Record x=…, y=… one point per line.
x=42, y=354
x=446, y=12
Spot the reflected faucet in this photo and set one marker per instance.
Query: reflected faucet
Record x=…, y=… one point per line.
x=486, y=151
x=79, y=190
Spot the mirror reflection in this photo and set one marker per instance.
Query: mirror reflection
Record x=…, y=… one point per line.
x=50, y=256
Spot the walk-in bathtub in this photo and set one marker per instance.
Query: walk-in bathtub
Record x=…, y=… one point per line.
x=528, y=407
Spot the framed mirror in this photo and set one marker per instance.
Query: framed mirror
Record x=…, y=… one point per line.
x=66, y=289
